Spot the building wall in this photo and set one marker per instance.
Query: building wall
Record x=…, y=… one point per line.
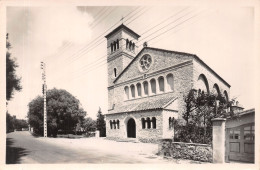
x=168, y=133
x=145, y=135
x=182, y=72
x=212, y=79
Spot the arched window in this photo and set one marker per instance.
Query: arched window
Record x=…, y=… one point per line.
x=145, y=84
x=143, y=123
x=117, y=122
x=153, y=86
x=130, y=45
x=115, y=72
x=226, y=95
x=154, y=122
x=111, y=46
x=114, y=46
x=171, y=122
x=138, y=86
x=203, y=83
x=114, y=123
x=216, y=90
x=161, y=84
x=126, y=92
x=127, y=43
x=133, y=47
x=111, y=125
x=132, y=87
x=170, y=82
x=148, y=123
x=117, y=43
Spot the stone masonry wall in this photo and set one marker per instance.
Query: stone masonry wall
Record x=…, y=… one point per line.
x=191, y=151
x=144, y=135
x=182, y=83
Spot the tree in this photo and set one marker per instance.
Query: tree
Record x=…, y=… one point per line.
x=13, y=83
x=200, y=109
x=89, y=125
x=101, y=123
x=64, y=112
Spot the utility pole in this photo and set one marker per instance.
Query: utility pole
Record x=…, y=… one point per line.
x=44, y=89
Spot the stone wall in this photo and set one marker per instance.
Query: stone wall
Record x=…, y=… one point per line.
x=180, y=150
x=144, y=135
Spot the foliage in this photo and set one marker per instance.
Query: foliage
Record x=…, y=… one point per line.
x=201, y=108
x=13, y=83
x=12, y=123
x=101, y=123
x=89, y=125
x=64, y=112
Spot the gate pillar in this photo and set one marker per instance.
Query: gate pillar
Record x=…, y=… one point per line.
x=218, y=141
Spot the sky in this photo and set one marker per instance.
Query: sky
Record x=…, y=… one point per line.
x=70, y=40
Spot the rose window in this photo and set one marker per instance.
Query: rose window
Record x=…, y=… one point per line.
x=145, y=62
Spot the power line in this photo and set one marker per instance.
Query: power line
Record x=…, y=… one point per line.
x=147, y=36
x=84, y=48
x=83, y=51
x=167, y=30
x=95, y=41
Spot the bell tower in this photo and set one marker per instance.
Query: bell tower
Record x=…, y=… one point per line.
x=121, y=49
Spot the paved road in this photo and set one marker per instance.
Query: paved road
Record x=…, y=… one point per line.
x=22, y=147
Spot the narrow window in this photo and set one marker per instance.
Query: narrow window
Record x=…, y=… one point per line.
x=115, y=72
x=114, y=123
x=143, y=123
x=117, y=43
x=133, y=47
x=169, y=78
x=148, y=123
x=127, y=43
x=111, y=46
x=114, y=46
x=117, y=122
x=138, y=86
x=130, y=45
x=170, y=122
x=154, y=122
x=161, y=84
x=126, y=92
x=110, y=124
x=153, y=86
x=145, y=84
x=132, y=87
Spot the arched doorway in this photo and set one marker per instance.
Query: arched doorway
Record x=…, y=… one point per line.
x=131, y=128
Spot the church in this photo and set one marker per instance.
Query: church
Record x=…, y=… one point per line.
x=146, y=87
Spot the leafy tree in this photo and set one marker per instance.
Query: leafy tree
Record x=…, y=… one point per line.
x=101, y=123
x=9, y=123
x=201, y=108
x=13, y=83
x=64, y=112
x=13, y=123
x=89, y=125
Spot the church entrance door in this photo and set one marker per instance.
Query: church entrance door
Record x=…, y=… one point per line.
x=131, y=128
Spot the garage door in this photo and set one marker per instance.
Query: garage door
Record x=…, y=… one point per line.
x=240, y=143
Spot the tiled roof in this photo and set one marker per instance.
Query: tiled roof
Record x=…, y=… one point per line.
x=147, y=105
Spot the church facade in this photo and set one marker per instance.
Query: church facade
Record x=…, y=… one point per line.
x=146, y=88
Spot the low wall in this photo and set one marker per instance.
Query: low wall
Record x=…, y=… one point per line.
x=180, y=150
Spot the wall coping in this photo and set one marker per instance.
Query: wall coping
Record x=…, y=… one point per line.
x=197, y=144
x=219, y=119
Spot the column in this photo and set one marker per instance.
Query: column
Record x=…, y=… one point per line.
x=218, y=140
